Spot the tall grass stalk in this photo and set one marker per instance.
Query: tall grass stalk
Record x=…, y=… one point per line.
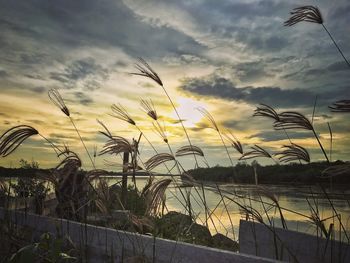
x=313, y=15
x=146, y=71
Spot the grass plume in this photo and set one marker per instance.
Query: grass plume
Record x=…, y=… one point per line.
x=145, y=70
x=293, y=152
x=311, y=14
x=13, y=138
x=340, y=106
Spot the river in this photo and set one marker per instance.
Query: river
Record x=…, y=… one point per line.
x=297, y=204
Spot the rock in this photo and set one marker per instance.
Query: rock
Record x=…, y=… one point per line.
x=177, y=226
x=223, y=242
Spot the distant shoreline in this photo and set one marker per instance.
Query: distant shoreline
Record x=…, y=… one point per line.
x=295, y=174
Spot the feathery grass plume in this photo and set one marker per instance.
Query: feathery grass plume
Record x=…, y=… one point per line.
x=189, y=150
x=56, y=98
x=161, y=131
x=305, y=13
x=145, y=70
x=211, y=119
x=295, y=120
x=13, y=138
x=149, y=109
x=107, y=133
x=256, y=151
x=120, y=113
x=313, y=15
x=158, y=159
x=266, y=111
x=235, y=143
x=154, y=196
x=71, y=187
x=116, y=145
x=342, y=106
x=293, y=152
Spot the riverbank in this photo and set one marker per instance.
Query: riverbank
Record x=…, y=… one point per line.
x=306, y=174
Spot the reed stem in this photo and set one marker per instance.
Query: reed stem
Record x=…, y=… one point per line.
x=336, y=45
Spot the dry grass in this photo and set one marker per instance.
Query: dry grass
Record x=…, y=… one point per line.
x=189, y=150
x=293, y=152
x=341, y=106
x=56, y=98
x=11, y=139
x=256, y=152
x=121, y=113
x=158, y=159
x=148, y=107
x=305, y=13
x=235, y=143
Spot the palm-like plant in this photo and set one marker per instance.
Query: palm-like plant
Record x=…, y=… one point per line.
x=313, y=15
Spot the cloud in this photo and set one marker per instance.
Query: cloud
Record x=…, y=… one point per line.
x=219, y=87
x=223, y=88
x=271, y=136
x=85, y=72
x=3, y=74
x=38, y=89
x=251, y=71
x=83, y=98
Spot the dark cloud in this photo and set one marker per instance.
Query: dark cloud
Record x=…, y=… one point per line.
x=86, y=70
x=306, y=73
x=223, y=88
x=90, y=23
x=35, y=76
x=219, y=87
x=34, y=58
x=3, y=74
x=38, y=89
x=337, y=66
x=83, y=98
x=270, y=136
x=251, y=71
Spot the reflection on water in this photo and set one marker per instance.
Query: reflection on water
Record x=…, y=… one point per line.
x=297, y=204
x=297, y=201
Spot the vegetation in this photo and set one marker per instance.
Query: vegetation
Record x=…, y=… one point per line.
x=294, y=173
x=80, y=194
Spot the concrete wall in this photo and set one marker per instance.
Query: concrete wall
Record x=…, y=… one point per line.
x=102, y=243
x=257, y=239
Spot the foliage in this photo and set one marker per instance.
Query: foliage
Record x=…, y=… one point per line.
x=29, y=186
x=48, y=249
x=310, y=173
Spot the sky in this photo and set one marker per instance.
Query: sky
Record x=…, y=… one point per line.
x=225, y=56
